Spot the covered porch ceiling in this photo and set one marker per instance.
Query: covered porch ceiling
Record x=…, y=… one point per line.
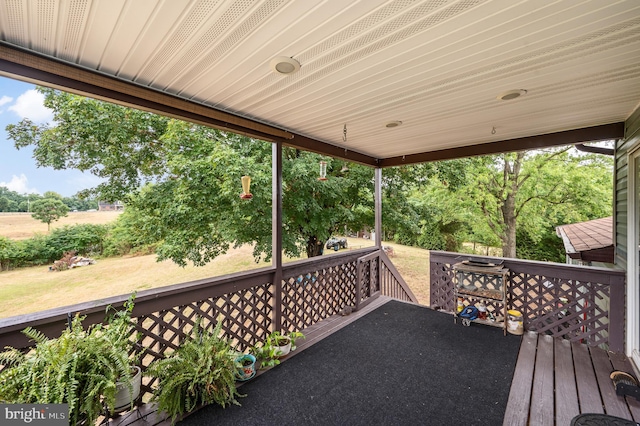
x=439, y=67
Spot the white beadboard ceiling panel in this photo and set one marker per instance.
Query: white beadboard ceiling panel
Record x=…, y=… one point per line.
x=436, y=65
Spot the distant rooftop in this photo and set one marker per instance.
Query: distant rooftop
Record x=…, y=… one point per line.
x=590, y=241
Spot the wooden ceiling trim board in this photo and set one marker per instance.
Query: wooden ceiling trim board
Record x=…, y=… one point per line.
x=86, y=89
x=84, y=82
x=587, y=134
x=21, y=63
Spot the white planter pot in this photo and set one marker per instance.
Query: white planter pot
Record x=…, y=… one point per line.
x=284, y=350
x=123, y=394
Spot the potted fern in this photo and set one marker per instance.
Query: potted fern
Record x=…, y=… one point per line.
x=199, y=372
x=79, y=368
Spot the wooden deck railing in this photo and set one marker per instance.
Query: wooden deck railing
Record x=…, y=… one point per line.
x=582, y=304
x=311, y=290
x=378, y=275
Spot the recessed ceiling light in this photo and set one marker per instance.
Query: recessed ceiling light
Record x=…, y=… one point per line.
x=511, y=94
x=393, y=124
x=284, y=65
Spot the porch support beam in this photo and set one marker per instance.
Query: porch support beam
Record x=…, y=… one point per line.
x=378, y=206
x=586, y=134
x=276, y=231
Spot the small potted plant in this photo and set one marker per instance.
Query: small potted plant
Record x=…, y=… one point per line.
x=245, y=366
x=275, y=346
x=200, y=371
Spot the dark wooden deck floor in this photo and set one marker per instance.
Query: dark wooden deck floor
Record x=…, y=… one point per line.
x=554, y=379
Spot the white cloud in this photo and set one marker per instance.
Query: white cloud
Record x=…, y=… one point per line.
x=31, y=105
x=5, y=100
x=19, y=184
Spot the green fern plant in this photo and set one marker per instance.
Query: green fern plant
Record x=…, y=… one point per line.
x=200, y=372
x=79, y=368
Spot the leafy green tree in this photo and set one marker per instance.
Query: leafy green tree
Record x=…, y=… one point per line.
x=80, y=204
x=532, y=192
x=412, y=211
x=48, y=210
x=52, y=194
x=184, y=179
x=121, y=145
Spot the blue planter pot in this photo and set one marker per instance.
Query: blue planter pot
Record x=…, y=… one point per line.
x=245, y=372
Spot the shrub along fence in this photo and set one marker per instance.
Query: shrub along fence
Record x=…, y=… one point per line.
x=84, y=239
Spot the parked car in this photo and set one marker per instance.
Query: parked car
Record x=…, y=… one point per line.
x=337, y=243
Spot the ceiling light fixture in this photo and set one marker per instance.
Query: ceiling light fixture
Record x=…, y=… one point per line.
x=284, y=65
x=511, y=94
x=392, y=124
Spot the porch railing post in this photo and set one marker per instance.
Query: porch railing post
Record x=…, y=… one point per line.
x=616, y=313
x=276, y=231
x=378, y=206
x=359, y=265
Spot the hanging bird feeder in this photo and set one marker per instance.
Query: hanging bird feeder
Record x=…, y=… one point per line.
x=323, y=170
x=246, y=185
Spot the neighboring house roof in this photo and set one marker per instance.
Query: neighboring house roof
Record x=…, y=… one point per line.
x=590, y=241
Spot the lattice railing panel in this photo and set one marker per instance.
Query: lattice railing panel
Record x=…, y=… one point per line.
x=576, y=310
x=374, y=276
x=365, y=272
x=442, y=286
x=246, y=317
x=311, y=297
x=549, y=296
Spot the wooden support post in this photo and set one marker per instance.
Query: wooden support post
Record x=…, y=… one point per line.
x=617, y=310
x=276, y=232
x=359, y=266
x=378, y=206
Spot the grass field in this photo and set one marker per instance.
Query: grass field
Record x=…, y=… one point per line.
x=35, y=289
x=19, y=226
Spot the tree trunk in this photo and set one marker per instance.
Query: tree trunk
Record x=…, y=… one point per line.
x=314, y=247
x=508, y=208
x=509, y=217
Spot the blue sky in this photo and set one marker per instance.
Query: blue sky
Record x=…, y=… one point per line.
x=18, y=170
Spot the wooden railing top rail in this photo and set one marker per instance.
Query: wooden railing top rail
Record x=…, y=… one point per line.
x=302, y=266
x=559, y=270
